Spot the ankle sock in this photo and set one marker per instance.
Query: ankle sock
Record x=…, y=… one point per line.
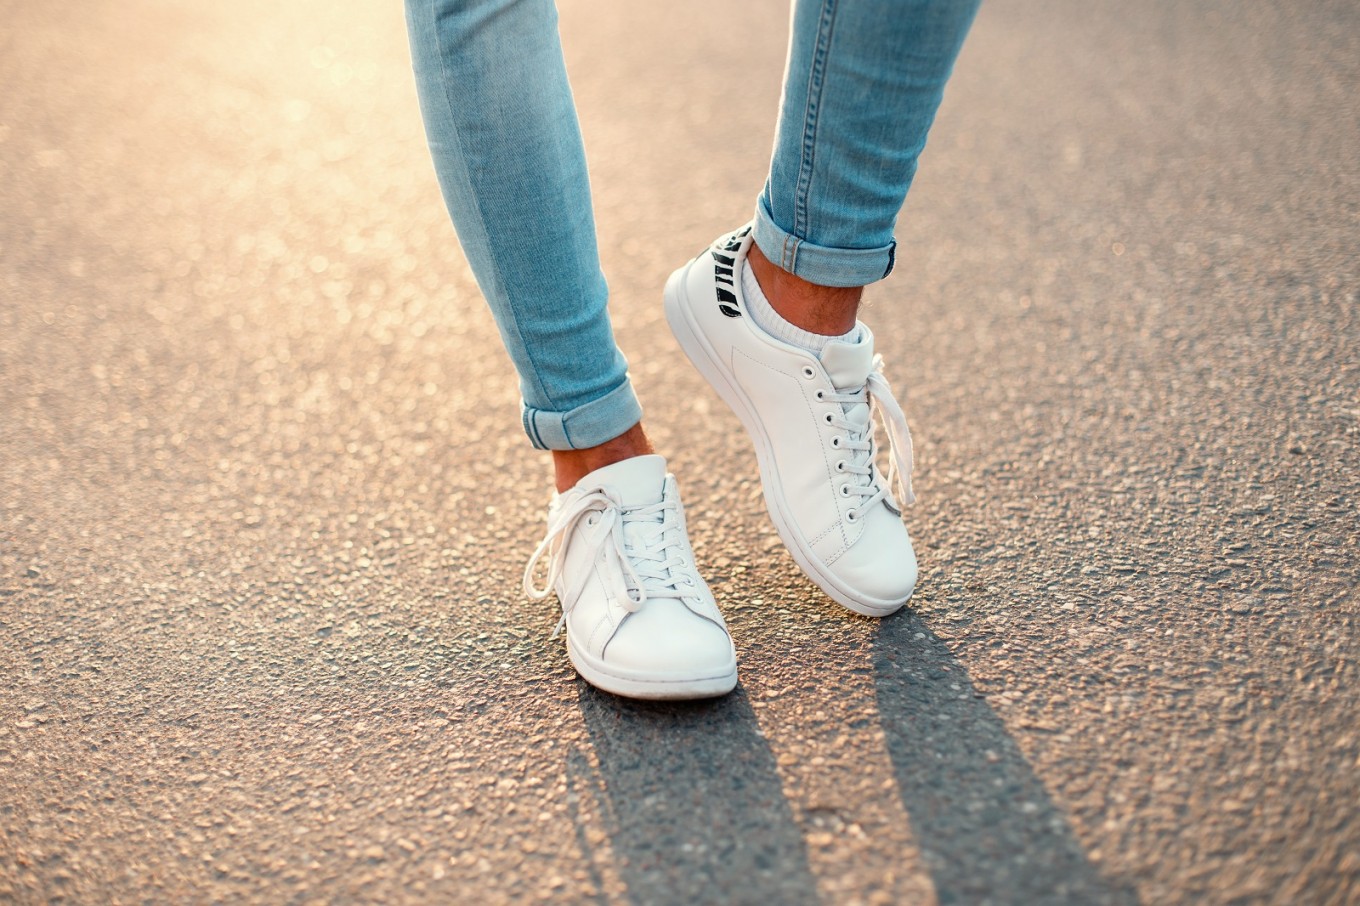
x=773, y=323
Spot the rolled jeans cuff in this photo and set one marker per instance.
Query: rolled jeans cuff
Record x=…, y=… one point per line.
x=588, y=425
x=818, y=263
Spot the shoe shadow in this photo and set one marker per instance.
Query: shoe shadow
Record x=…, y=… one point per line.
x=692, y=802
x=988, y=831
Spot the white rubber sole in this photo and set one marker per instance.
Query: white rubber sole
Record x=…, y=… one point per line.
x=659, y=688
x=703, y=357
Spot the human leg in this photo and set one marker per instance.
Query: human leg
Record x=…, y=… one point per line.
x=864, y=81
x=507, y=148
x=863, y=84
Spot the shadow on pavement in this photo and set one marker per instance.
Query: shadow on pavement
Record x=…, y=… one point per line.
x=692, y=802
x=988, y=831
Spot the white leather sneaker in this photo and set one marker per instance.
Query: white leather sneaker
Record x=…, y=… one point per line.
x=811, y=421
x=640, y=620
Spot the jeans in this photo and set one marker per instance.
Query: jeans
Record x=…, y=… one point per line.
x=863, y=82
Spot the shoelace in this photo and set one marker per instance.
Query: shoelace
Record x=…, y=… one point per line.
x=651, y=567
x=859, y=441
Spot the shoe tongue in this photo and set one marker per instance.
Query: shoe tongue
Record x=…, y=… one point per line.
x=849, y=363
x=636, y=482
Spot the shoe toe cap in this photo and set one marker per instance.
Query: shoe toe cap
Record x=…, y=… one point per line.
x=666, y=638
x=879, y=569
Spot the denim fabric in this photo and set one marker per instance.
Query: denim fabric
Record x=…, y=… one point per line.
x=863, y=83
x=864, y=80
x=502, y=127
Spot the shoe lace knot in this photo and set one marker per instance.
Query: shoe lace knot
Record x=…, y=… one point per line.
x=858, y=407
x=646, y=542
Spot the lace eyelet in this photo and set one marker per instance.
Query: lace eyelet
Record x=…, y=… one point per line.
x=836, y=442
x=828, y=418
x=845, y=490
x=808, y=372
x=840, y=465
x=852, y=516
x=819, y=394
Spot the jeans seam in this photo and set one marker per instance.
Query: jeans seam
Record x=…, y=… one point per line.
x=811, y=113
x=531, y=427
x=445, y=81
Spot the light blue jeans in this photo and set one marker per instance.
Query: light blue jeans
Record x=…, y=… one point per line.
x=864, y=80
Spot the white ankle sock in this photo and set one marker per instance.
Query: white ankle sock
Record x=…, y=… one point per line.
x=770, y=321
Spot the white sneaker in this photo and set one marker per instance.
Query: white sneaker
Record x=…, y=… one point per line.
x=640, y=620
x=811, y=423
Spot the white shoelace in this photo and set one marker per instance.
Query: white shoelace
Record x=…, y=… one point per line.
x=647, y=541
x=859, y=441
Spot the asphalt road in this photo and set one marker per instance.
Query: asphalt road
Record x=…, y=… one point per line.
x=265, y=500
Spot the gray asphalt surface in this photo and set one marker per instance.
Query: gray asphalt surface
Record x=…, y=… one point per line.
x=265, y=499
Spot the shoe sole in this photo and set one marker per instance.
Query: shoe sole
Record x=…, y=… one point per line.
x=598, y=675
x=702, y=356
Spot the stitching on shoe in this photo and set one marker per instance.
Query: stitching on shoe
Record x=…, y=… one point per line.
x=705, y=617
x=826, y=464
x=840, y=553
x=806, y=404
x=826, y=531
x=770, y=367
x=603, y=621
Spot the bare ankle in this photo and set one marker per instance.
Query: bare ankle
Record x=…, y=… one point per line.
x=571, y=466
x=826, y=310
